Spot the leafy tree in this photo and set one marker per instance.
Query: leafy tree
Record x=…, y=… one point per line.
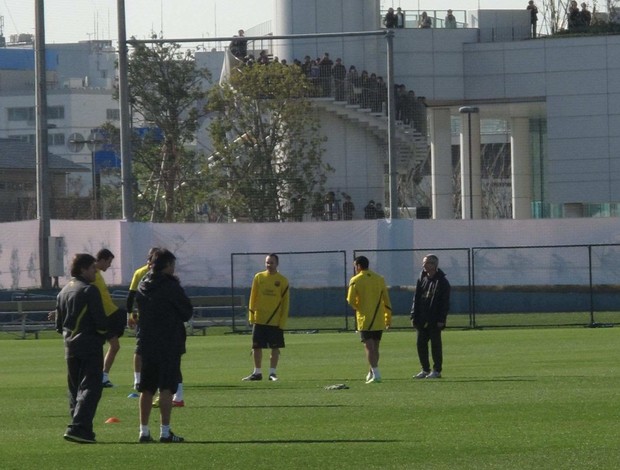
x=167, y=91
x=267, y=163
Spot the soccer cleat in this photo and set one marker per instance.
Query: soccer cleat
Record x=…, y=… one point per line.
x=421, y=375
x=178, y=403
x=136, y=386
x=368, y=376
x=374, y=380
x=171, y=438
x=80, y=439
x=253, y=377
x=146, y=439
x=434, y=375
x=156, y=402
x=107, y=384
x=273, y=377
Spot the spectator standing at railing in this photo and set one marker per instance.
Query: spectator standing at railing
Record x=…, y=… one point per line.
x=306, y=66
x=263, y=58
x=389, y=21
x=365, y=86
x=347, y=208
x=239, y=46
x=339, y=72
x=373, y=90
x=574, y=16
x=325, y=68
x=382, y=90
x=352, y=85
x=400, y=18
x=425, y=22
x=450, y=21
x=586, y=16
x=533, y=9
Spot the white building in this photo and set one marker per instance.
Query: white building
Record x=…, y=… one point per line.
x=558, y=95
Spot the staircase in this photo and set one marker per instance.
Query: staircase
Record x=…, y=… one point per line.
x=411, y=145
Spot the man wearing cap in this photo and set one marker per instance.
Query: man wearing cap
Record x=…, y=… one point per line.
x=450, y=21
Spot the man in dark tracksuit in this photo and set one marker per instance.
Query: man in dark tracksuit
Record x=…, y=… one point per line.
x=428, y=315
x=163, y=308
x=81, y=320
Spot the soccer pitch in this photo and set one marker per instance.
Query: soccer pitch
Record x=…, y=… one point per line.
x=509, y=399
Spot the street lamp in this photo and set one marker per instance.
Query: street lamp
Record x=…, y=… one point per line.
x=469, y=110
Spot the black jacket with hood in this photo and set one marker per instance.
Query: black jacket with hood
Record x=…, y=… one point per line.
x=163, y=308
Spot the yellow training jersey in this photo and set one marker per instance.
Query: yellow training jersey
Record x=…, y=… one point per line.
x=269, y=300
x=369, y=297
x=108, y=304
x=137, y=277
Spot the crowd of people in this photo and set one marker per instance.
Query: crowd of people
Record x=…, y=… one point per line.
x=395, y=19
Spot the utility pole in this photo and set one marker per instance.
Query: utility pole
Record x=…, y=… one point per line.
x=123, y=102
x=42, y=167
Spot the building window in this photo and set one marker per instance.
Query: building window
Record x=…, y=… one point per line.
x=113, y=114
x=56, y=139
x=28, y=114
x=55, y=112
x=21, y=114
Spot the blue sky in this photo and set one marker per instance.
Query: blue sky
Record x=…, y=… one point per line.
x=80, y=20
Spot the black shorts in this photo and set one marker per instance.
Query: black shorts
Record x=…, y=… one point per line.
x=267, y=336
x=160, y=373
x=374, y=334
x=117, y=323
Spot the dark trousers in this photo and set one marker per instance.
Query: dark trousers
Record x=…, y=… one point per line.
x=432, y=334
x=85, y=389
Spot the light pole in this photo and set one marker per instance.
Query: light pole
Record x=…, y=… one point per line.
x=469, y=110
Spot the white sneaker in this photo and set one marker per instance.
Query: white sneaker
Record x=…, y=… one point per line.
x=421, y=375
x=369, y=376
x=434, y=375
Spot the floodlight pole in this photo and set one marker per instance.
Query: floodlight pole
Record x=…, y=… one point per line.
x=42, y=167
x=393, y=171
x=125, y=117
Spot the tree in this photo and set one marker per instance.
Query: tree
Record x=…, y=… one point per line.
x=167, y=91
x=267, y=162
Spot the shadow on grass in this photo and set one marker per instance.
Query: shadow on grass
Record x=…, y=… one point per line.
x=269, y=442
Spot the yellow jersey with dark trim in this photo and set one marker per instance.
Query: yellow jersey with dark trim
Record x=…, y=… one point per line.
x=269, y=300
x=369, y=298
x=109, y=307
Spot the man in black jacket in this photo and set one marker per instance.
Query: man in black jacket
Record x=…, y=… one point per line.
x=81, y=320
x=164, y=308
x=428, y=315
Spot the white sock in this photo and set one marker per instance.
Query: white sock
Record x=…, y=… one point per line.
x=375, y=372
x=136, y=377
x=179, y=395
x=257, y=370
x=144, y=430
x=164, y=430
x=105, y=377
x=272, y=371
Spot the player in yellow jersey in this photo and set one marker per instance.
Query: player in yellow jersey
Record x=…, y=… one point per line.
x=268, y=313
x=369, y=297
x=117, y=317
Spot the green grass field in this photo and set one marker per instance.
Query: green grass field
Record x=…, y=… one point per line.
x=509, y=399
